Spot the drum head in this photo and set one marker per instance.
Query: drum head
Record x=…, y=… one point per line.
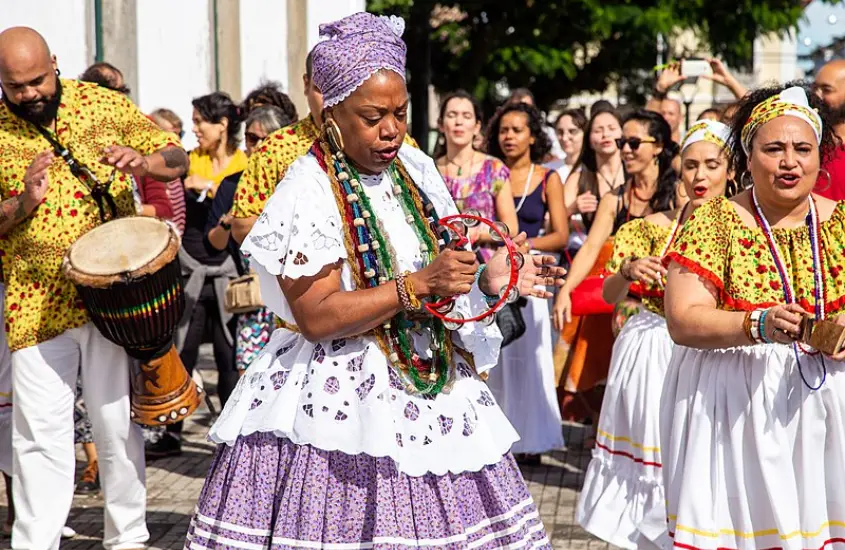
x=119, y=246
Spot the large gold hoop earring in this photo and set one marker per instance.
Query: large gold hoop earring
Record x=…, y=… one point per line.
x=333, y=135
x=746, y=181
x=829, y=181
x=730, y=188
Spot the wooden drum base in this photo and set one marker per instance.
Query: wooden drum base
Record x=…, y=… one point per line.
x=162, y=391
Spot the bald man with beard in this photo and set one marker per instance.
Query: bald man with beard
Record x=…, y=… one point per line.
x=830, y=86
x=44, y=209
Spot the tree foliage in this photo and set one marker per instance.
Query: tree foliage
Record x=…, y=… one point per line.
x=561, y=47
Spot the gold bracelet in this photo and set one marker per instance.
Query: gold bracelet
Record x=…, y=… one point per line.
x=746, y=327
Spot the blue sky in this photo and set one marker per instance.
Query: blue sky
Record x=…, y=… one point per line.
x=816, y=28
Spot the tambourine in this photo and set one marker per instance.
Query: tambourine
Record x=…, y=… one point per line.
x=454, y=230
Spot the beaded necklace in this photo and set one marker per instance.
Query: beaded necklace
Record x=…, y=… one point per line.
x=673, y=231
x=819, y=290
x=375, y=258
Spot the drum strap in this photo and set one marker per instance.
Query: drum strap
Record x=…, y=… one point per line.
x=99, y=191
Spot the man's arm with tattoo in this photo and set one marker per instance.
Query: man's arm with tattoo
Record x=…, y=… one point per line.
x=12, y=212
x=167, y=164
x=35, y=185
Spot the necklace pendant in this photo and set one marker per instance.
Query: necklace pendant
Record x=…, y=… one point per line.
x=460, y=170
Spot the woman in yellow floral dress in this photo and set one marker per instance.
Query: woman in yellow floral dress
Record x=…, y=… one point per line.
x=622, y=500
x=752, y=421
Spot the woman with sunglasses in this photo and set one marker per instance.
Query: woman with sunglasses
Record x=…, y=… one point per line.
x=599, y=169
x=524, y=384
x=253, y=329
x=622, y=500
x=647, y=151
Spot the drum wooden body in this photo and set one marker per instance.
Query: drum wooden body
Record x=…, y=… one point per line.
x=128, y=275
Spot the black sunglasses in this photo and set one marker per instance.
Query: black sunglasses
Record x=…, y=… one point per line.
x=253, y=139
x=633, y=142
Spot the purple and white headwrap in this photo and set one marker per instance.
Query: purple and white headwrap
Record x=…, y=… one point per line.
x=355, y=48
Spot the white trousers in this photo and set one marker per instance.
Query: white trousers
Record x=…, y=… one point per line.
x=5, y=397
x=44, y=386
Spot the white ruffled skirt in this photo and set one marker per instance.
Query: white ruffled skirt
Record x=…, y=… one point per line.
x=524, y=383
x=341, y=395
x=622, y=500
x=752, y=457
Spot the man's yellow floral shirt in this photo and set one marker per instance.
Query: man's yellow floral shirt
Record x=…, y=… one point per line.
x=40, y=302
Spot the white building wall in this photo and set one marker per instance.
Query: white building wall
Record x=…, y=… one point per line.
x=65, y=26
x=175, y=43
x=776, y=59
x=326, y=11
x=263, y=32
x=174, y=57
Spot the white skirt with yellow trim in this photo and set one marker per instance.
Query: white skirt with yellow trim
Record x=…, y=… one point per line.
x=752, y=457
x=622, y=500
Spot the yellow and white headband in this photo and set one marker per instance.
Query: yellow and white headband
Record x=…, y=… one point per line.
x=707, y=130
x=790, y=102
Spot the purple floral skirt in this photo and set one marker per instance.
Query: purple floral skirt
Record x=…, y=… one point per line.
x=267, y=492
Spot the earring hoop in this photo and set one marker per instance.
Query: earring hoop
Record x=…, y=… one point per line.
x=334, y=137
x=746, y=181
x=829, y=181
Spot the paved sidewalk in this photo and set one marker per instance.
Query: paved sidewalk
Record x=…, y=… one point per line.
x=174, y=484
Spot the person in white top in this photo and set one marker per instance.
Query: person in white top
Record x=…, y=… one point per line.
x=365, y=422
x=569, y=129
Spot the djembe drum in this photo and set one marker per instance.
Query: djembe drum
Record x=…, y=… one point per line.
x=128, y=275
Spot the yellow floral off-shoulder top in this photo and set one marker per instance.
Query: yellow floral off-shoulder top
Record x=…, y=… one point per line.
x=717, y=245
x=640, y=238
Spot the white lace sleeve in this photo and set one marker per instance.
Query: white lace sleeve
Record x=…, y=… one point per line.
x=299, y=231
x=483, y=342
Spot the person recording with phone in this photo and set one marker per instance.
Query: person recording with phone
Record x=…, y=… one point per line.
x=677, y=72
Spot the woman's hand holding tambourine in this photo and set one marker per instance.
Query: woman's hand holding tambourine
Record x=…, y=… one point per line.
x=537, y=275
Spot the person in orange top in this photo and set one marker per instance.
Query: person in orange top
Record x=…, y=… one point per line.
x=268, y=164
x=45, y=208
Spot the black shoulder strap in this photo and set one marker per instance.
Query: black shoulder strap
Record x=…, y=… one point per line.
x=99, y=191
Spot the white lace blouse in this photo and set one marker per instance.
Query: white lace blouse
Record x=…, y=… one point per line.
x=342, y=394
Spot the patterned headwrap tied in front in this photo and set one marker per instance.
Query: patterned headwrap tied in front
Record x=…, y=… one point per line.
x=355, y=48
x=707, y=130
x=790, y=102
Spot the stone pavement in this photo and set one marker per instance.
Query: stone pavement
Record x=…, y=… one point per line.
x=173, y=486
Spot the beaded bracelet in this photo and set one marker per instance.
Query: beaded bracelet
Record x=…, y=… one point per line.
x=402, y=291
x=762, y=327
x=624, y=271
x=755, y=325
x=752, y=326
x=411, y=291
x=490, y=298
